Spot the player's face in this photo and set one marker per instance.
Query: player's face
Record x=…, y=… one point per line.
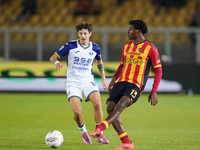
x=133, y=34
x=84, y=36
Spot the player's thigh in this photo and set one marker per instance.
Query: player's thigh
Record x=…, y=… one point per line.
x=94, y=97
x=124, y=102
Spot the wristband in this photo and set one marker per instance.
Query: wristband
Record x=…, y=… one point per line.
x=56, y=62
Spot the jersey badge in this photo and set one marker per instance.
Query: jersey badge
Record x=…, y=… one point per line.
x=91, y=53
x=140, y=49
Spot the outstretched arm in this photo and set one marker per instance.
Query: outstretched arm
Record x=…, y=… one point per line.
x=54, y=60
x=101, y=70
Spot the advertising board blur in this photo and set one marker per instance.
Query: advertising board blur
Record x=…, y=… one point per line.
x=43, y=77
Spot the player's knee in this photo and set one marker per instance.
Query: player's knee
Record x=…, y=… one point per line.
x=97, y=105
x=77, y=114
x=121, y=106
x=109, y=109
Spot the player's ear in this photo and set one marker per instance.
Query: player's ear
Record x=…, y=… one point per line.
x=139, y=31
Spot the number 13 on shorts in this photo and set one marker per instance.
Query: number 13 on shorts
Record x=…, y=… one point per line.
x=133, y=93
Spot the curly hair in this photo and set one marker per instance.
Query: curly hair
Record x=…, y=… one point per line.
x=84, y=25
x=140, y=25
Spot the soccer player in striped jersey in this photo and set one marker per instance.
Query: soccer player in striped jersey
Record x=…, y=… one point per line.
x=80, y=80
x=128, y=82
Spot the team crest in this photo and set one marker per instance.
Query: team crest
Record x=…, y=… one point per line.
x=140, y=49
x=91, y=53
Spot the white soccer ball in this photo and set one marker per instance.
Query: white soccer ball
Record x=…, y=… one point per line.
x=54, y=139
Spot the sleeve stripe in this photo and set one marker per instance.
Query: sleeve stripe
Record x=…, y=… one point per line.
x=98, y=59
x=57, y=55
x=157, y=66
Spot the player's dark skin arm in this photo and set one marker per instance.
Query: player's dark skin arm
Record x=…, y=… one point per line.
x=112, y=82
x=153, y=98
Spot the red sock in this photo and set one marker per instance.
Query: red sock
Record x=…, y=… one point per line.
x=124, y=137
x=105, y=124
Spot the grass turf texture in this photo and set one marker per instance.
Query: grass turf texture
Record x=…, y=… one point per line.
x=25, y=119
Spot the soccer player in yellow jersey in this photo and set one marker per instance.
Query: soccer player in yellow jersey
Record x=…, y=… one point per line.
x=128, y=82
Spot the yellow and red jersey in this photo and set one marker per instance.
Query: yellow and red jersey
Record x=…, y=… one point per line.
x=136, y=62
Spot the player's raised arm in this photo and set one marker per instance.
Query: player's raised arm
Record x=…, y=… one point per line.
x=101, y=70
x=54, y=60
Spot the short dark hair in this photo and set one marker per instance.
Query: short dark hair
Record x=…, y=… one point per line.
x=84, y=25
x=140, y=25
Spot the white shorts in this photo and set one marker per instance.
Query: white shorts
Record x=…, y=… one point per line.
x=74, y=89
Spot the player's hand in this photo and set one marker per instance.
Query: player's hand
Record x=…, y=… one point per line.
x=112, y=83
x=153, y=98
x=104, y=83
x=59, y=66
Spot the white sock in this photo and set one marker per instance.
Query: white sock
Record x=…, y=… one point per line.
x=82, y=128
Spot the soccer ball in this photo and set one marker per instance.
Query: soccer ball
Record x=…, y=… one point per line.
x=54, y=139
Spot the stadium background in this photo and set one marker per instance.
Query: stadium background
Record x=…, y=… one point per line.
x=25, y=48
x=53, y=24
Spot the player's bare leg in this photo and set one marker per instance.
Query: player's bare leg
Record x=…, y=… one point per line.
x=77, y=109
x=114, y=110
x=98, y=114
x=118, y=108
x=117, y=124
x=96, y=102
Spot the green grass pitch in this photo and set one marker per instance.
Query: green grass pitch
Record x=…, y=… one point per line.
x=25, y=119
